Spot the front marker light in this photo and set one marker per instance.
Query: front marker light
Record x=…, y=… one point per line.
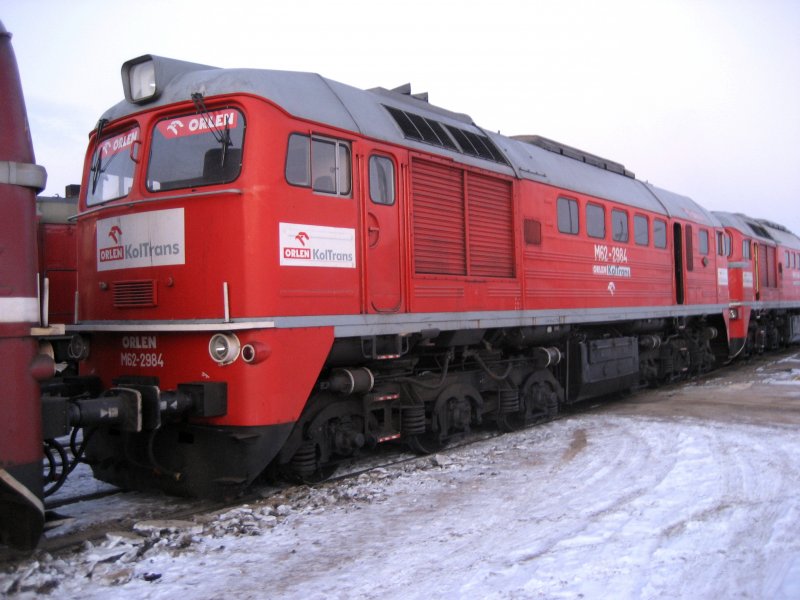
x=78, y=348
x=224, y=348
x=733, y=313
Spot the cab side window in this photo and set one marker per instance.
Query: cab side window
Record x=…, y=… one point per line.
x=381, y=180
x=322, y=164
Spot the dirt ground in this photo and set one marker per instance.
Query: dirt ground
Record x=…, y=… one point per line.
x=759, y=392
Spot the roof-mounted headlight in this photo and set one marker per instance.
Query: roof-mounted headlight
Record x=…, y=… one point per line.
x=139, y=79
x=145, y=78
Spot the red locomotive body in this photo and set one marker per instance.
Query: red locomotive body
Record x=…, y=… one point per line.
x=764, y=294
x=21, y=509
x=58, y=254
x=278, y=269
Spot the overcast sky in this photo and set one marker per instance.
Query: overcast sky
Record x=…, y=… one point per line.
x=699, y=97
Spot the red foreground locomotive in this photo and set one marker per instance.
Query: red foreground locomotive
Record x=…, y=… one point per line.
x=277, y=271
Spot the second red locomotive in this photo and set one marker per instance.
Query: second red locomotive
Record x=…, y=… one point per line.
x=279, y=270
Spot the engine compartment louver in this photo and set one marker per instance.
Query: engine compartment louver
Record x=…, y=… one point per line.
x=139, y=293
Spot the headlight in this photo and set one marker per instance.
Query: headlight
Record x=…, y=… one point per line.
x=224, y=348
x=733, y=313
x=139, y=79
x=78, y=348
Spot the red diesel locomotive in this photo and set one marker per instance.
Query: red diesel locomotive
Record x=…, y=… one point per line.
x=277, y=270
x=21, y=508
x=764, y=281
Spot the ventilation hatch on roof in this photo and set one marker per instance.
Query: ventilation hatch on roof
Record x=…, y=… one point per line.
x=575, y=154
x=423, y=129
x=759, y=230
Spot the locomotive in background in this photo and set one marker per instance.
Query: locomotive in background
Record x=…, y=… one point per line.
x=21, y=508
x=278, y=271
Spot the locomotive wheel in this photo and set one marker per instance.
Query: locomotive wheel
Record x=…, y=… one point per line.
x=336, y=431
x=450, y=418
x=425, y=443
x=306, y=467
x=538, y=401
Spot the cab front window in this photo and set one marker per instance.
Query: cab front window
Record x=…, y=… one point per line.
x=111, y=170
x=194, y=150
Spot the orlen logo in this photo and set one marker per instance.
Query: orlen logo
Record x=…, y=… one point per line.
x=119, y=143
x=198, y=124
x=301, y=253
x=173, y=127
x=116, y=252
x=115, y=233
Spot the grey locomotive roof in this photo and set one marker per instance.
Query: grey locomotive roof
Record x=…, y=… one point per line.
x=780, y=234
x=759, y=229
x=683, y=207
x=741, y=223
x=313, y=97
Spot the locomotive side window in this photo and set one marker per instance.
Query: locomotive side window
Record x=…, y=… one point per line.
x=746, y=249
x=381, y=180
x=204, y=148
x=641, y=230
x=660, y=233
x=111, y=171
x=619, y=225
x=702, y=237
x=319, y=163
x=723, y=244
x=568, y=216
x=595, y=221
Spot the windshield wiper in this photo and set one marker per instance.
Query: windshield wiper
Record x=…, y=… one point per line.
x=223, y=137
x=96, y=166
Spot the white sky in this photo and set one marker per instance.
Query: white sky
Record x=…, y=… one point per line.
x=701, y=97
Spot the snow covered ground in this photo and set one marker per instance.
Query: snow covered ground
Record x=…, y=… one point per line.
x=689, y=492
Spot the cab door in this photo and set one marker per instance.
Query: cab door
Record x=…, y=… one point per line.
x=382, y=234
